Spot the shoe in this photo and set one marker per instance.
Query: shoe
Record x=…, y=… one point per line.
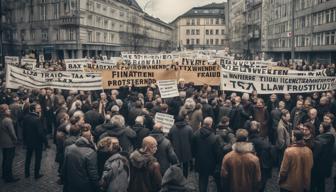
x=38, y=176
x=12, y=180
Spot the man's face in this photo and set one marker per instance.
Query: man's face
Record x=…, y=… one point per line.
x=299, y=105
x=273, y=98
x=327, y=119
x=306, y=131
x=259, y=104
x=281, y=105
x=103, y=96
x=287, y=117
x=312, y=114
x=38, y=109
x=153, y=148
x=287, y=97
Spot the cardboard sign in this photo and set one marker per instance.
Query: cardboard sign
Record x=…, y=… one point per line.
x=167, y=121
x=168, y=88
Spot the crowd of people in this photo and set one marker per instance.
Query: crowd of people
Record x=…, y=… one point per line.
x=109, y=141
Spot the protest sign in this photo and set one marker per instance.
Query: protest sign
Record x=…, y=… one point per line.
x=246, y=63
x=269, y=84
x=200, y=75
x=17, y=77
x=138, y=76
x=9, y=60
x=28, y=63
x=167, y=121
x=76, y=64
x=168, y=88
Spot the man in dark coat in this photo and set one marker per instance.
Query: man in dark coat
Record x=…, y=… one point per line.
x=180, y=136
x=80, y=172
x=324, y=144
x=263, y=152
x=8, y=140
x=116, y=128
x=93, y=117
x=205, y=145
x=165, y=152
x=140, y=130
x=145, y=170
x=34, y=138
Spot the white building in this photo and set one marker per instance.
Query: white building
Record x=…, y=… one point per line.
x=202, y=28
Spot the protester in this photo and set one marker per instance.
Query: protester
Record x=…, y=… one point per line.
x=8, y=141
x=145, y=170
x=240, y=168
x=34, y=138
x=295, y=170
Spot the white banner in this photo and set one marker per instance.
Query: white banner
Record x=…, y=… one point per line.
x=168, y=88
x=17, y=77
x=76, y=64
x=12, y=60
x=247, y=63
x=28, y=63
x=167, y=121
x=268, y=84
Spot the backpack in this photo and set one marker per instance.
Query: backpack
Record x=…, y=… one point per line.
x=116, y=174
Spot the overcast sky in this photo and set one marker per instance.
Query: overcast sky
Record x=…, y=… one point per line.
x=168, y=10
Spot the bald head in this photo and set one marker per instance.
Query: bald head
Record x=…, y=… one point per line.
x=149, y=145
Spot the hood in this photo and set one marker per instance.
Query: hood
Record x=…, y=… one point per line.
x=180, y=124
x=158, y=135
x=173, y=178
x=83, y=142
x=140, y=159
x=243, y=147
x=137, y=127
x=206, y=132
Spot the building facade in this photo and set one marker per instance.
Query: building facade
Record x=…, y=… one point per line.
x=237, y=27
x=80, y=28
x=314, y=30
x=253, y=17
x=202, y=28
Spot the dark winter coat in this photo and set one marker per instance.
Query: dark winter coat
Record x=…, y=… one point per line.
x=141, y=132
x=165, y=152
x=124, y=135
x=180, y=136
x=80, y=167
x=323, y=150
x=33, y=133
x=174, y=181
x=94, y=118
x=7, y=133
x=238, y=117
x=205, y=147
x=145, y=173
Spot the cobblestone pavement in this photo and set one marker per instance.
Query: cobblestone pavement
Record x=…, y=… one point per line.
x=49, y=169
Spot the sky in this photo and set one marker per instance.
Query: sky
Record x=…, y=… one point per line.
x=168, y=10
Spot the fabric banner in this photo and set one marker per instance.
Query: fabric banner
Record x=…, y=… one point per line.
x=168, y=88
x=167, y=121
x=28, y=63
x=76, y=64
x=269, y=84
x=147, y=59
x=100, y=65
x=247, y=63
x=17, y=77
x=139, y=76
x=12, y=61
x=200, y=75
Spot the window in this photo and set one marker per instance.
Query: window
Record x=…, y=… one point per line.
x=211, y=32
x=197, y=31
x=332, y=38
x=97, y=36
x=56, y=11
x=211, y=21
x=121, y=14
x=207, y=42
x=105, y=36
x=23, y=34
x=197, y=41
x=207, y=32
x=193, y=22
x=217, y=32
x=98, y=6
x=111, y=37
x=193, y=41
x=217, y=41
x=43, y=12
x=198, y=21
x=217, y=21
x=193, y=32
x=112, y=25
x=71, y=34
x=223, y=31
x=90, y=6
x=211, y=42
x=44, y=34
x=57, y=35
x=32, y=34
x=222, y=41
x=188, y=32
x=188, y=41
x=188, y=22
x=90, y=36
x=89, y=19
x=105, y=23
x=98, y=21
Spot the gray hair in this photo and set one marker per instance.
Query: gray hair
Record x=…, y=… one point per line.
x=118, y=120
x=139, y=120
x=119, y=102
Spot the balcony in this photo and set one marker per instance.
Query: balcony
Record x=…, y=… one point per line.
x=69, y=21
